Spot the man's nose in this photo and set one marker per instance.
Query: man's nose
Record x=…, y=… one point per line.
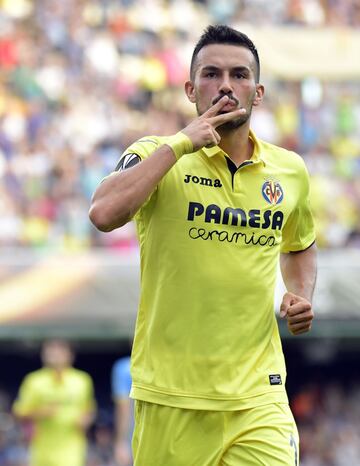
x=225, y=86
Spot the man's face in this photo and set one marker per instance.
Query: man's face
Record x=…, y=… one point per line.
x=56, y=354
x=222, y=69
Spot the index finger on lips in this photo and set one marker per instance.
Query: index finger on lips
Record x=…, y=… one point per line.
x=212, y=111
x=224, y=117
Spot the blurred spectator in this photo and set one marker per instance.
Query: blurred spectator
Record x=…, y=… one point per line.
x=121, y=385
x=59, y=403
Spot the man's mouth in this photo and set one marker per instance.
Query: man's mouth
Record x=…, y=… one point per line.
x=230, y=106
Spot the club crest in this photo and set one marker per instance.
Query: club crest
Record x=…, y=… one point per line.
x=272, y=192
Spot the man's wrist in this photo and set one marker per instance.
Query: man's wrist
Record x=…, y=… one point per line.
x=180, y=144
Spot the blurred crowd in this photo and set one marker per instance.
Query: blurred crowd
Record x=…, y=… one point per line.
x=80, y=80
x=328, y=418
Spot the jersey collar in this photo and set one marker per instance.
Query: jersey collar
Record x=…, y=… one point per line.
x=256, y=157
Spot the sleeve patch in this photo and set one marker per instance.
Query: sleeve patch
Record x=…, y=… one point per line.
x=128, y=161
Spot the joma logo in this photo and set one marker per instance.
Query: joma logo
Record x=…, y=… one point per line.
x=203, y=181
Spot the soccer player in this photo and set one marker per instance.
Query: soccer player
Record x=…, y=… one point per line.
x=121, y=386
x=59, y=400
x=216, y=208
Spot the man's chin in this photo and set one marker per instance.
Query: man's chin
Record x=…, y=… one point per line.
x=233, y=124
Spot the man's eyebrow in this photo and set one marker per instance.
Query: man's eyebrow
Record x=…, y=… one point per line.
x=210, y=68
x=235, y=68
x=242, y=68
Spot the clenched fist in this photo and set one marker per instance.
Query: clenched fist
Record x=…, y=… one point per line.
x=298, y=313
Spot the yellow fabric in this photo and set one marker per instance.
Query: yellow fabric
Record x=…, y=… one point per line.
x=206, y=334
x=180, y=144
x=57, y=441
x=265, y=435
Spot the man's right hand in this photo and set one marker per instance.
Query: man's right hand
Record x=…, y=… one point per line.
x=202, y=131
x=119, y=197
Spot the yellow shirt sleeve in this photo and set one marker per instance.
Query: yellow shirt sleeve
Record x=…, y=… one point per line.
x=26, y=402
x=299, y=233
x=137, y=152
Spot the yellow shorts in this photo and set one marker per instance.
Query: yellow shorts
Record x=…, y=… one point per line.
x=167, y=436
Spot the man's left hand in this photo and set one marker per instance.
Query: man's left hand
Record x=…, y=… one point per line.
x=298, y=312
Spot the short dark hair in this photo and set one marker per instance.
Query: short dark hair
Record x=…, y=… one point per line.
x=222, y=34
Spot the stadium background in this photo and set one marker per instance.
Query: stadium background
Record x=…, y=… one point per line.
x=80, y=80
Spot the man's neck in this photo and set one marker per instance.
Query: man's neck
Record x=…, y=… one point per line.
x=237, y=144
x=58, y=372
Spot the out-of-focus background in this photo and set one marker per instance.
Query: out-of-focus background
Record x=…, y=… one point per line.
x=79, y=81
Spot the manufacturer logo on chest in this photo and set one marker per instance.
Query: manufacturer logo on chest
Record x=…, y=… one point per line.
x=203, y=181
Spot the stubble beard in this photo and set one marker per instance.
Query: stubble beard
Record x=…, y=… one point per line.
x=234, y=124
x=230, y=125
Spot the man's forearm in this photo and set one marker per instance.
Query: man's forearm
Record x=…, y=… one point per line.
x=120, y=196
x=298, y=270
x=122, y=419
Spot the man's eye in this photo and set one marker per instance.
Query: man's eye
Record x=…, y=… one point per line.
x=210, y=74
x=240, y=76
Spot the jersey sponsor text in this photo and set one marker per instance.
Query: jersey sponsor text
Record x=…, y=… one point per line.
x=253, y=218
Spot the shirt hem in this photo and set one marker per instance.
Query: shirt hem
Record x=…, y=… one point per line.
x=192, y=401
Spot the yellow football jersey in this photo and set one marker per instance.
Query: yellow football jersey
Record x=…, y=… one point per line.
x=210, y=238
x=57, y=441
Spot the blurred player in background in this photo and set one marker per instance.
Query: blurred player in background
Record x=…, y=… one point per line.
x=121, y=386
x=59, y=400
x=215, y=209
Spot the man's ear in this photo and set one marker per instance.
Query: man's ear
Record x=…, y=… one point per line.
x=260, y=90
x=190, y=91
